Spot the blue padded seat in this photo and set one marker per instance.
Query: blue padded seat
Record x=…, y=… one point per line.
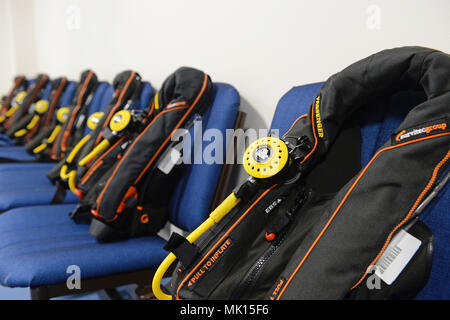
x=38, y=243
x=378, y=122
x=26, y=184
x=15, y=154
x=25, y=166
x=5, y=141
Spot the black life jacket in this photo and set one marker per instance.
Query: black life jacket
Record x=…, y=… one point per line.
x=127, y=90
x=285, y=240
x=125, y=194
x=33, y=94
x=20, y=84
x=72, y=130
x=66, y=126
x=128, y=86
x=39, y=117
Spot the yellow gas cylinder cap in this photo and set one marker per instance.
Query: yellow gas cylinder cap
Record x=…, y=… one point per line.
x=94, y=119
x=265, y=157
x=120, y=120
x=62, y=114
x=41, y=106
x=20, y=96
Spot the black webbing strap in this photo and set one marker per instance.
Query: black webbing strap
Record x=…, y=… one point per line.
x=60, y=193
x=185, y=251
x=104, y=232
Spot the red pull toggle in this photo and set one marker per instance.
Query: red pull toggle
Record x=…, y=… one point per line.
x=270, y=236
x=79, y=193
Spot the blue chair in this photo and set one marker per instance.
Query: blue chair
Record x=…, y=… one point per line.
x=377, y=124
x=26, y=184
x=39, y=243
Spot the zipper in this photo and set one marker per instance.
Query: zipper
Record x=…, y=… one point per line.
x=254, y=273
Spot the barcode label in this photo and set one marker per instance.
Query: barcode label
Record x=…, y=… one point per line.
x=386, y=260
x=397, y=256
x=169, y=160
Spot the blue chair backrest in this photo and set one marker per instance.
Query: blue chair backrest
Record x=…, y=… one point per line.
x=30, y=82
x=47, y=91
x=378, y=122
x=195, y=190
x=147, y=93
x=67, y=96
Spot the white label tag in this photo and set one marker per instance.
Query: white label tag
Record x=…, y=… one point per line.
x=169, y=160
x=396, y=256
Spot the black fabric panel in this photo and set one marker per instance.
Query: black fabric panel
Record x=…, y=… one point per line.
x=339, y=165
x=33, y=94
x=411, y=280
x=378, y=203
x=185, y=85
x=81, y=99
x=132, y=90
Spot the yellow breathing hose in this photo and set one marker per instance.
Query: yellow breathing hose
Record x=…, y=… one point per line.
x=33, y=122
x=20, y=133
x=41, y=108
x=95, y=152
x=30, y=125
x=118, y=123
x=92, y=124
x=52, y=138
x=11, y=110
x=40, y=148
x=72, y=174
x=218, y=214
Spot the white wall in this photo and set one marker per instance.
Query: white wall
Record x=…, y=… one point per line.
x=7, y=57
x=262, y=47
